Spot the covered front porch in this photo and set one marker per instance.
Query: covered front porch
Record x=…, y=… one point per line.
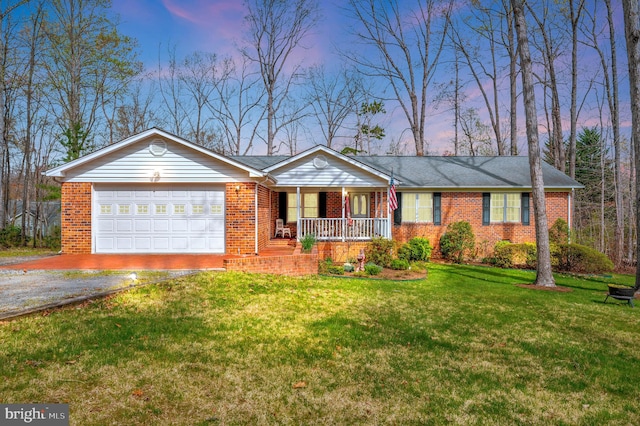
x=329, y=195
x=344, y=214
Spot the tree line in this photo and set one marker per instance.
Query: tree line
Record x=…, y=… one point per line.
x=72, y=82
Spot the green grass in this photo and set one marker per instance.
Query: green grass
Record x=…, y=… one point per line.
x=25, y=251
x=465, y=346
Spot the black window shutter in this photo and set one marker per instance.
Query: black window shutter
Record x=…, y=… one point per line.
x=397, y=213
x=486, y=208
x=282, y=206
x=322, y=204
x=525, y=208
x=437, y=202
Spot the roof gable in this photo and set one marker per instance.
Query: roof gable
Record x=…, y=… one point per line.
x=149, y=150
x=321, y=166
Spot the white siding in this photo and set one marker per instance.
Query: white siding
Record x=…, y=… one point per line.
x=337, y=173
x=136, y=164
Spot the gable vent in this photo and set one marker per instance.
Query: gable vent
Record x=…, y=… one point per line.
x=158, y=147
x=320, y=162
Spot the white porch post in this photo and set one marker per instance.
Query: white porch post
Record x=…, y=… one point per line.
x=344, y=226
x=390, y=235
x=298, y=223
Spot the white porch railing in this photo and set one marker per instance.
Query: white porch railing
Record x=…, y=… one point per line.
x=361, y=229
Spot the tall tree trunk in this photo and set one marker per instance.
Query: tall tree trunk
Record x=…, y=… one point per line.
x=575, y=19
x=513, y=78
x=631, y=12
x=615, y=121
x=544, y=275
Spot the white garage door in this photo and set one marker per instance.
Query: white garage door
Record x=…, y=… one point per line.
x=158, y=220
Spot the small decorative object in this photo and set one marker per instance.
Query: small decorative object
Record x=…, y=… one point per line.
x=348, y=267
x=361, y=259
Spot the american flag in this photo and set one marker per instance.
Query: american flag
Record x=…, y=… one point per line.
x=393, y=198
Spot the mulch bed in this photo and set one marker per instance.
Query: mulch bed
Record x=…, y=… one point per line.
x=388, y=274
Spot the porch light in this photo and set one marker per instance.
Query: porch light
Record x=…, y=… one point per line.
x=155, y=175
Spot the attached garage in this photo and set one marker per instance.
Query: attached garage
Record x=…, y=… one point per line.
x=158, y=219
x=157, y=193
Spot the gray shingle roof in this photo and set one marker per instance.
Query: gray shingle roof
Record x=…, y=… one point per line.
x=449, y=172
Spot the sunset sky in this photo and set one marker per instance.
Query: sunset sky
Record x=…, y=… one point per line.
x=218, y=26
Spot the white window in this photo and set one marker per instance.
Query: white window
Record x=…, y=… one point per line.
x=105, y=208
x=216, y=209
x=142, y=209
x=505, y=207
x=309, y=207
x=161, y=209
x=197, y=209
x=417, y=207
x=124, y=208
x=179, y=209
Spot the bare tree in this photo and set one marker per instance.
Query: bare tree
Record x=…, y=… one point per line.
x=409, y=44
x=631, y=14
x=276, y=30
x=236, y=105
x=485, y=28
x=509, y=42
x=476, y=135
x=550, y=50
x=198, y=75
x=544, y=275
x=171, y=92
x=31, y=93
x=610, y=80
x=136, y=114
x=333, y=99
x=575, y=15
x=87, y=61
x=10, y=81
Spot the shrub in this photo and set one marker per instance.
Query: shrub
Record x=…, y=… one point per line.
x=581, y=259
x=417, y=249
x=372, y=269
x=559, y=232
x=458, y=242
x=54, y=239
x=10, y=236
x=507, y=255
x=380, y=251
x=335, y=270
x=400, y=264
x=307, y=242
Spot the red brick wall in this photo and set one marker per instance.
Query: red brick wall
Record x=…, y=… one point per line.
x=76, y=217
x=295, y=265
x=457, y=206
x=265, y=224
x=240, y=218
x=340, y=251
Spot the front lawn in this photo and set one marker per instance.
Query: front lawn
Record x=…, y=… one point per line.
x=464, y=346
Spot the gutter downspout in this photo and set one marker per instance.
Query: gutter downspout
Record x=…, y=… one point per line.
x=570, y=212
x=298, y=213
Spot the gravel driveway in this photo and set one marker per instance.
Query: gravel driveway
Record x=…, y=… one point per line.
x=23, y=292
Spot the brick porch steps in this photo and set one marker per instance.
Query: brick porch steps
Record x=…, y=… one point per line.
x=279, y=247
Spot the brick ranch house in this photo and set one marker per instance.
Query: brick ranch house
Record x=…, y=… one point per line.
x=157, y=193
